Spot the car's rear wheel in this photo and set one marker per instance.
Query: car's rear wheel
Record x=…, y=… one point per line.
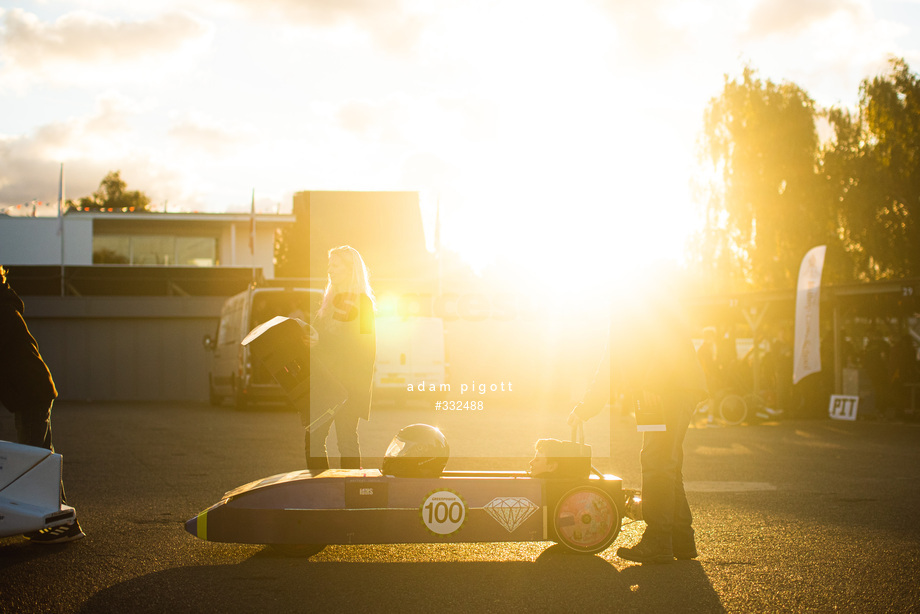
x=213, y=397
x=586, y=520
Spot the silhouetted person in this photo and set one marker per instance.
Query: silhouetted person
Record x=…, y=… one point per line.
x=781, y=362
x=651, y=358
x=27, y=389
x=347, y=347
x=903, y=369
x=708, y=354
x=875, y=362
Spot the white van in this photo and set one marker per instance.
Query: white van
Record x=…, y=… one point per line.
x=231, y=373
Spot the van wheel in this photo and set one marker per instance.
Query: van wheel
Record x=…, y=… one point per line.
x=214, y=398
x=240, y=402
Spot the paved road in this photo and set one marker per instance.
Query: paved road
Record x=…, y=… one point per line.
x=797, y=516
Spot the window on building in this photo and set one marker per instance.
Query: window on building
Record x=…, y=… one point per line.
x=111, y=250
x=153, y=250
x=196, y=251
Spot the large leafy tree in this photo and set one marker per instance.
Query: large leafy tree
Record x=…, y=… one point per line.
x=874, y=165
x=768, y=204
x=113, y=195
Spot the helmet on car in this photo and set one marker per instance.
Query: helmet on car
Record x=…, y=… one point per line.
x=417, y=451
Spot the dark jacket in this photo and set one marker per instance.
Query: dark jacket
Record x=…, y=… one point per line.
x=25, y=381
x=650, y=349
x=348, y=347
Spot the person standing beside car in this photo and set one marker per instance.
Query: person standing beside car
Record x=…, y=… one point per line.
x=650, y=358
x=27, y=389
x=346, y=346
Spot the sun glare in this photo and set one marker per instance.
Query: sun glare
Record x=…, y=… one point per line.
x=574, y=185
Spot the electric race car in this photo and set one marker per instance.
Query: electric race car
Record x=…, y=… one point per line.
x=30, y=490
x=413, y=500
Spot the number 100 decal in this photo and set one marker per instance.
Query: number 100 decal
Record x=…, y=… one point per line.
x=443, y=512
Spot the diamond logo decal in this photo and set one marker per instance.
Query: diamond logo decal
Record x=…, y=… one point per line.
x=510, y=512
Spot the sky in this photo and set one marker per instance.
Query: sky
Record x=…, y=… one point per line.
x=525, y=121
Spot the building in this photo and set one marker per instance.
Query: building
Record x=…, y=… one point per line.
x=81, y=239
x=120, y=302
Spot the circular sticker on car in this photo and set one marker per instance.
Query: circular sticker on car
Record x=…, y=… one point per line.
x=443, y=512
x=586, y=520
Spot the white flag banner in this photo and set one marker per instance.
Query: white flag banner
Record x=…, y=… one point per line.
x=807, y=308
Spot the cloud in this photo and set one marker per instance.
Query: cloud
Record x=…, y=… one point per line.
x=652, y=33
x=789, y=17
x=89, y=146
x=206, y=134
x=390, y=24
x=428, y=121
x=826, y=46
x=81, y=47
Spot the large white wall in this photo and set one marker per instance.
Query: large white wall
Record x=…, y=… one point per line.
x=36, y=241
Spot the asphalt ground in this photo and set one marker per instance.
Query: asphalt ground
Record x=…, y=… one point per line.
x=796, y=516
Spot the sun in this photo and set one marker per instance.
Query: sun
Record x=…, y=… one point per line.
x=583, y=238
x=579, y=183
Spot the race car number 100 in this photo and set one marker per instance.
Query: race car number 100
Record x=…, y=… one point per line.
x=443, y=512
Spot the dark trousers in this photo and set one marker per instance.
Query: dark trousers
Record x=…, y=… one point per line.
x=346, y=434
x=664, y=502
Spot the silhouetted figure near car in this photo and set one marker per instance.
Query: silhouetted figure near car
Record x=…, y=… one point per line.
x=27, y=389
x=651, y=359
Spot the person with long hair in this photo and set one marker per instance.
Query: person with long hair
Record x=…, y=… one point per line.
x=347, y=348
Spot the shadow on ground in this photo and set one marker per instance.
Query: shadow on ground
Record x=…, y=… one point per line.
x=554, y=582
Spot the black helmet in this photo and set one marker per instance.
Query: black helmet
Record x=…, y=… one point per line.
x=417, y=451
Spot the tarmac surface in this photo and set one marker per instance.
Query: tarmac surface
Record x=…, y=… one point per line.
x=793, y=516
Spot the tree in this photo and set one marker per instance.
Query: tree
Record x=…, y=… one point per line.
x=112, y=196
x=874, y=167
x=768, y=204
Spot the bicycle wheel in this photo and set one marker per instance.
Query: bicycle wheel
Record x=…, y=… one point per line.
x=732, y=409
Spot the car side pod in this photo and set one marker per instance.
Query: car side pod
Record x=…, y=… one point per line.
x=30, y=490
x=363, y=506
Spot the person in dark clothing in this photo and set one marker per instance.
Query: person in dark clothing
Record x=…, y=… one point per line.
x=27, y=389
x=903, y=370
x=346, y=345
x=650, y=358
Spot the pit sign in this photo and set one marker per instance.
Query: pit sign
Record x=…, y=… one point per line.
x=843, y=407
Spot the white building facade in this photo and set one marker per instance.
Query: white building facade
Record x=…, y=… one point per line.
x=142, y=239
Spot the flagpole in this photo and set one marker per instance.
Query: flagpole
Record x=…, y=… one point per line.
x=252, y=235
x=437, y=244
x=61, y=222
